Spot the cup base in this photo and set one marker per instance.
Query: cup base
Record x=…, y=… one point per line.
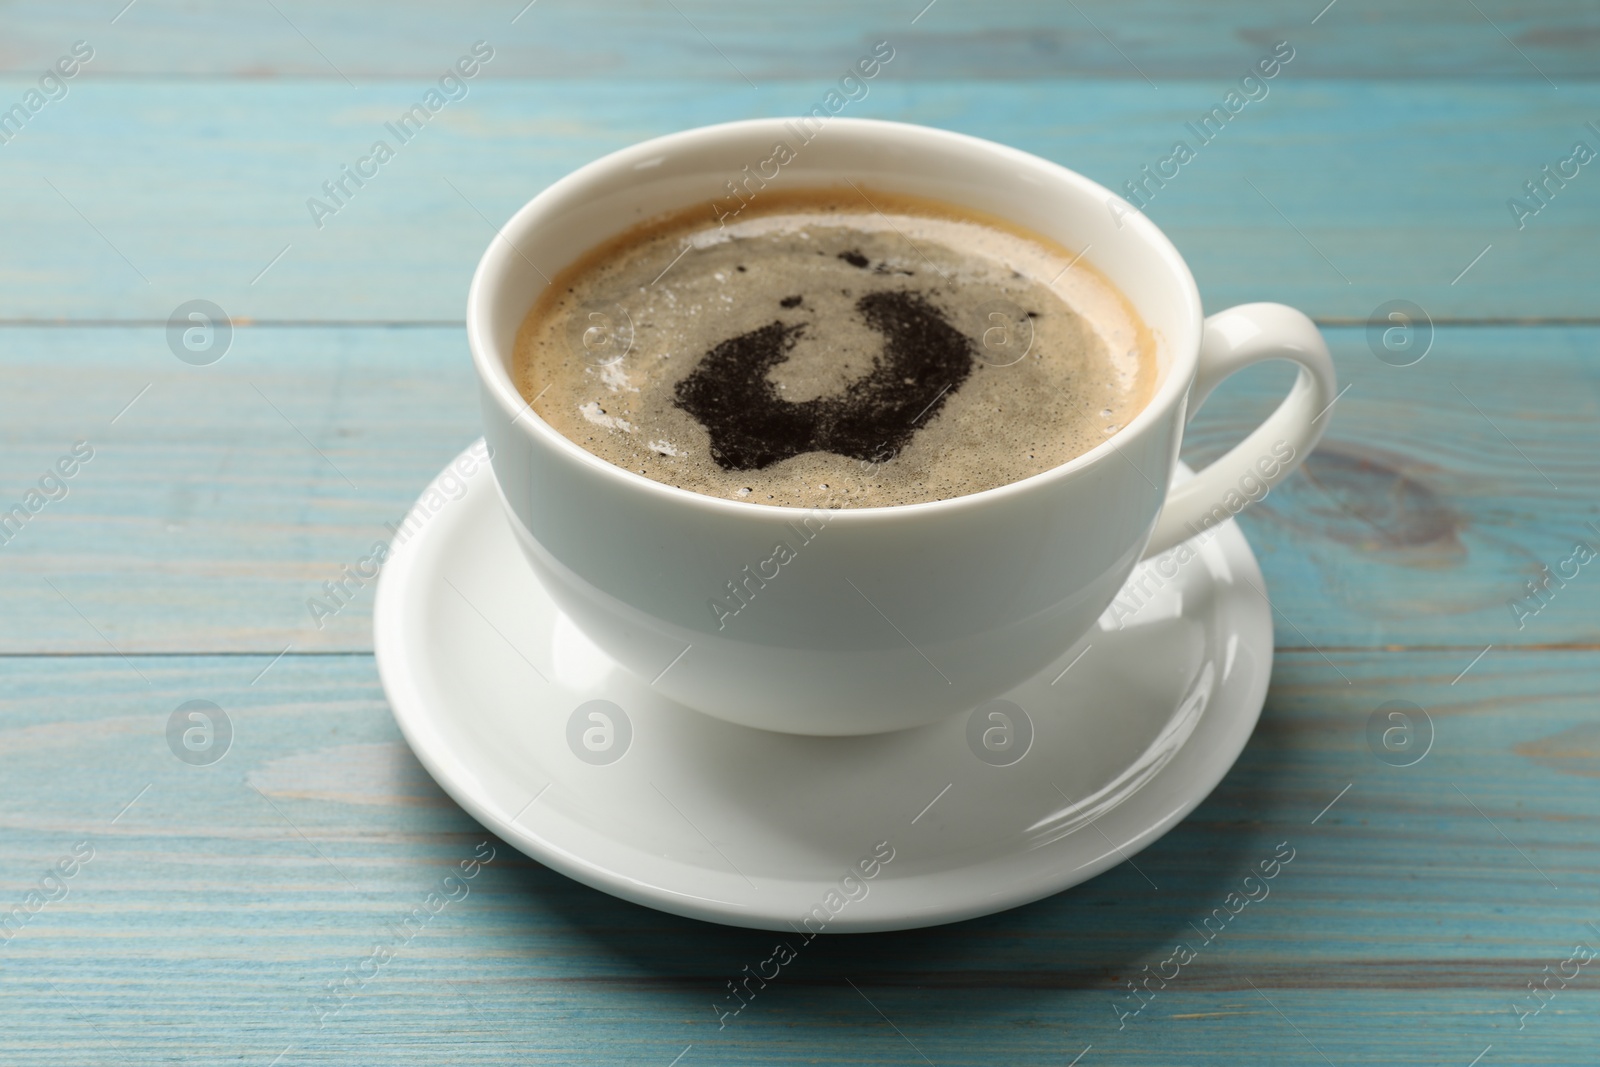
x=583, y=766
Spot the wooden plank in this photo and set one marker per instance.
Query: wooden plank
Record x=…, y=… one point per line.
x=1439, y=492
x=1407, y=925
x=128, y=198
x=769, y=41
x=217, y=504
x=227, y=492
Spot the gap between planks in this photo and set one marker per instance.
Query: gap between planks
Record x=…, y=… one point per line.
x=1331, y=321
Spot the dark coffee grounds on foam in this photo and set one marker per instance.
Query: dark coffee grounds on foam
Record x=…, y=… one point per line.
x=751, y=425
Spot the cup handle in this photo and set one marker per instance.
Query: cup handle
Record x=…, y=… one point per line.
x=1232, y=340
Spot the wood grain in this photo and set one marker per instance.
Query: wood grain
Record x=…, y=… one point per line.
x=765, y=41
x=128, y=198
x=218, y=503
x=1401, y=932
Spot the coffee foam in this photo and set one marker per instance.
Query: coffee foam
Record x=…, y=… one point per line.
x=687, y=303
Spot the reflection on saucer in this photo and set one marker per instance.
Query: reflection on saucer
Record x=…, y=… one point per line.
x=536, y=732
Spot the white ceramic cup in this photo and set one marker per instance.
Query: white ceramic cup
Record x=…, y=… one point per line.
x=888, y=617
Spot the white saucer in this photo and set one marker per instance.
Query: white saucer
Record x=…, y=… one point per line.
x=720, y=822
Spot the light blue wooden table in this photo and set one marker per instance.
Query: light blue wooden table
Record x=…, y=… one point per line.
x=180, y=913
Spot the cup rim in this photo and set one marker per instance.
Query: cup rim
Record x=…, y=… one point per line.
x=493, y=374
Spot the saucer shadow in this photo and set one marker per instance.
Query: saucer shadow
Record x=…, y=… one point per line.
x=1083, y=943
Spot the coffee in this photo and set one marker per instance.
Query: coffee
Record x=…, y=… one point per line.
x=834, y=348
